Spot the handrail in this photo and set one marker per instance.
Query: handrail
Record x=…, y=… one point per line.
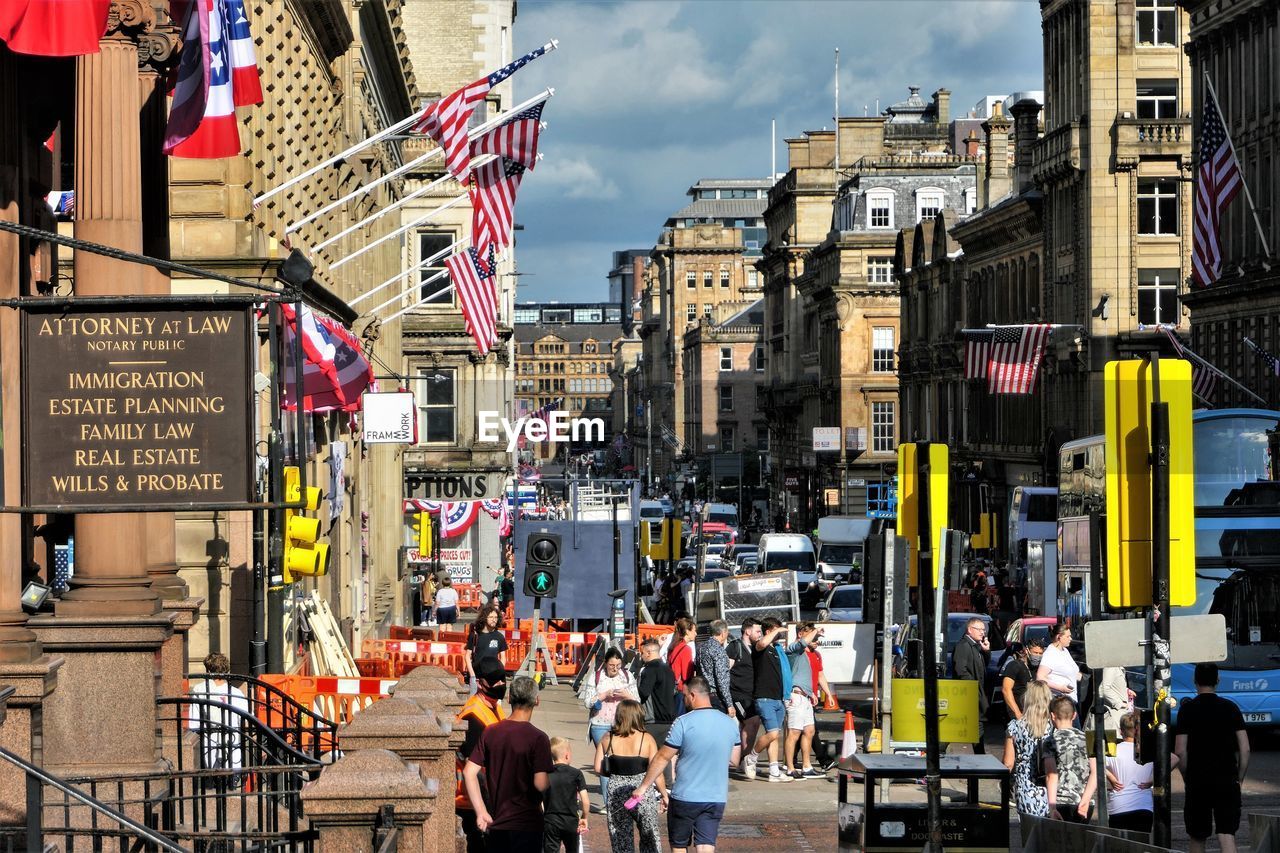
x=253, y=724
x=295, y=719
x=34, y=772
x=269, y=688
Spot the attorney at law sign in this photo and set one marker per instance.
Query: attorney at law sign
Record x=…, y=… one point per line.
x=389, y=417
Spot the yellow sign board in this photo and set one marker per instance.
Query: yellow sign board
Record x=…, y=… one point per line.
x=660, y=540
x=909, y=501
x=1128, y=390
x=957, y=710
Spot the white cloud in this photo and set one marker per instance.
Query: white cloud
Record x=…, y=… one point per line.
x=573, y=177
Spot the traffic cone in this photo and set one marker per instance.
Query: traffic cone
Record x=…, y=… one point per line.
x=829, y=702
x=850, y=744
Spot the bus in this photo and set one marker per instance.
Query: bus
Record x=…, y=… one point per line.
x=1237, y=549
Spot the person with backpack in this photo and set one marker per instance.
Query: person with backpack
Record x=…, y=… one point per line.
x=602, y=691
x=680, y=657
x=657, y=688
x=1023, y=752
x=742, y=681
x=713, y=665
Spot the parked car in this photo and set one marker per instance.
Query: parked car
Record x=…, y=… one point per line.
x=842, y=604
x=747, y=564
x=711, y=574
x=737, y=551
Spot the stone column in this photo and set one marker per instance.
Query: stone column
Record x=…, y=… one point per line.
x=421, y=738
x=344, y=803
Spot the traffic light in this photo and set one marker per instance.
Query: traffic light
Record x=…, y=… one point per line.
x=303, y=555
x=876, y=581
x=909, y=463
x=1127, y=452
x=542, y=565
x=421, y=525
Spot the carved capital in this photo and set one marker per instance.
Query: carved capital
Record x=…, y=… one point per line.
x=127, y=18
x=158, y=43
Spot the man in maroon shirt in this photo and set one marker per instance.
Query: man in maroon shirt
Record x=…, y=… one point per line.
x=516, y=760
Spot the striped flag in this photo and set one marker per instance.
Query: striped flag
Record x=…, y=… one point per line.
x=1204, y=376
x=334, y=370
x=1015, y=358
x=493, y=201
x=516, y=138
x=977, y=355
x=473, y=280
x=446, y=120
x=1218, y=181
x=1272, y=361
x=216, y=73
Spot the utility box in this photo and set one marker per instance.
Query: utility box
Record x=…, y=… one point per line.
x=866, y=823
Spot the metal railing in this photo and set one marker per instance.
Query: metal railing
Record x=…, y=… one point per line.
x=299, y=726
x=101, y=825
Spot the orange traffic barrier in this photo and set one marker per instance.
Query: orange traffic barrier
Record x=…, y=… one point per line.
x=334, y=698
x=470, y=596
x=373, y=667
x=644, y=632
x=398, y=653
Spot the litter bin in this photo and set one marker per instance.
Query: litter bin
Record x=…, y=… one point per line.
x=868, y=824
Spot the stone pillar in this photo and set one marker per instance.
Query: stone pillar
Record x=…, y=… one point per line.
x=344, y=803
x=997, y=131
x=421, y=738
x=1026, y=130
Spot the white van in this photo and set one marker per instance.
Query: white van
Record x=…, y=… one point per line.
x=840, y=546
x=652, y=511
x=794, y=552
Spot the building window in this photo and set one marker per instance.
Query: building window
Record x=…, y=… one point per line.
x=762, y=438
x=882, y=428
x=726, y=439
x=691, y=279
x=726, y=398
x=882, y=349
x=971, y=200
x=588, y=315
x=928, y=204
x=526, y=315
x=436, y=405
x=691, y=312
x=589, y=348
x=430, y=244
x=880, y=208
x=1158, y=206
x=753, y=278
x=1158, y=296
x=759, y=365
x=706, y=309
x=1157, y=98
x=1157, y=22
x=724, y=276
x=708, y=278
x=726, y=358
x=880, y=270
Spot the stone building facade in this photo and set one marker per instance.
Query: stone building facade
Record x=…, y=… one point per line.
x=703, y=258
x=1245, y=301
x=451, y=45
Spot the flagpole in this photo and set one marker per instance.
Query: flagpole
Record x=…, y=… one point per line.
x=478, y=131
x=403, y=293
x=426, y=217
x=1160, y=327
x=437, y=256
x=1257, y=222
x=441, y=292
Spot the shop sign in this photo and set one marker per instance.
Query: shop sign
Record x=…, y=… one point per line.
x=389, y=417
x=129, y=404
x=452, y=487
x=826, y=439
x=456, y=561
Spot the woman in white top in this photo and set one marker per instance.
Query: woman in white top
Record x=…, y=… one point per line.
x=1057, y=668
x=1129, y=803
x=446, y=605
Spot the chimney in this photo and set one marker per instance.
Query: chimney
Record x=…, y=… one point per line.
x=997, y=131
x=942, y=105
x=1026, y=129
x=971, y=145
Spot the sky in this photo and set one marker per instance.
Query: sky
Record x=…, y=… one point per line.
x=652, y=95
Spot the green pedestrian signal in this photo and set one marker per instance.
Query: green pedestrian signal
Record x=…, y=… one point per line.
x=542, y=565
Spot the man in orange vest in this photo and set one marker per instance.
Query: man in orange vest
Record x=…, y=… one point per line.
x=481, y=711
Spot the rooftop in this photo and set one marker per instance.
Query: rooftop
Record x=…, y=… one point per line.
x=721, y=208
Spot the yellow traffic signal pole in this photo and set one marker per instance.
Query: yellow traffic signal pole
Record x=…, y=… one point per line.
x=1157, y=648
x=925, y=603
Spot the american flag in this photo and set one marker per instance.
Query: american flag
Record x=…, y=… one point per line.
x=62, y=203
x=1218, y=182
x=1204, y=376
x=516, y=138
x=446, y=120
x=493, y=202
x=1272, y=361
x=977, y=355
x=473, y=280
x=1015, y=358
x=335, y=371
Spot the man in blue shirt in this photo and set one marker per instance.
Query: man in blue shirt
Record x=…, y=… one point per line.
x=707, y=742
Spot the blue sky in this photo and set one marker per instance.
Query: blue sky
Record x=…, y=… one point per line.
x=653, y=94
